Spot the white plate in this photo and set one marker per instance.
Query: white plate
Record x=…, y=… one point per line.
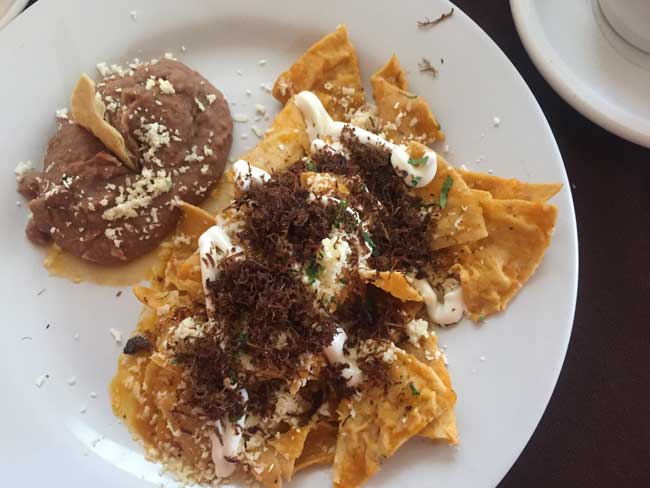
x=588, y=64
x=9, y=9
x=45, y=438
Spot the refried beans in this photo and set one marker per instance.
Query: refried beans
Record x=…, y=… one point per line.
x=175, y=123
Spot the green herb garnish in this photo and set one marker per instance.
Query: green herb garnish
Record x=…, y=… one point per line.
x=419, y=161
x=312, y=270
x=369, y=241
x=408, y=95
x=446, y=186
x=414, y=390
x=243, y=337
x=310, y=165
x=415, y=180
x=343, y=204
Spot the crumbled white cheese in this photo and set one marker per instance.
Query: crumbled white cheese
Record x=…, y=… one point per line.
x=150, y=83
x=62, y=113
x=389, y=355
x=262, y=62
x=205, y=169
x=199, y=104
x=334, y=257
x=166, y=87
x=211, y=97
x=139, y=195
x=241, y=118
x=169, y=56
x=496, y=121
x=260, y=109
x=40, y=381
x=194, y=156
x=187, y=328
x=346, y=90
x=207, y=151
x=153, y=136
x=257, y=131
x=22, y=168
x=417, y=329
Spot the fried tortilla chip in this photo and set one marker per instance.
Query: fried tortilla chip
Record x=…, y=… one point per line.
x=444, y=427
x=276, y=463
x=374, y=426
x=88, y=111
x=283, y=144
x=393, y=282
x=462, y=218
x=405, y=116
x=504, y=188
x=330, y=69
x=493, y=269
x=319, y=446
x=194, y=222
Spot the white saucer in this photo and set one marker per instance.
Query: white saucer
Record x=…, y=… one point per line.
x=588, y=63
x=9, y=9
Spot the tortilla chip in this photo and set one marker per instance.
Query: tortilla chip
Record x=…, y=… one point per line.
x=405, y=116
x=283, y=144
x=88, y=112
x=462, y=218
x=374, y=426
x=194, y=222
x=444, y=427
x=493, y=269
x=395, y=283
x=319, y=446
x=504, y=188
x=393, y=73
x=330, y=69
x=277, y=463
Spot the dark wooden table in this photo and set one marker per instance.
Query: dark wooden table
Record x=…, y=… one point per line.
x=596, y=429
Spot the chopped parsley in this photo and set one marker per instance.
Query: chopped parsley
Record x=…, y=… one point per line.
x=310, y=165
x=415, y=180
x=414, y=390
x=369, y=241
x=312, y=270
x=408, y=95
x=419, y=161
x=343, y=204
x=446, y=186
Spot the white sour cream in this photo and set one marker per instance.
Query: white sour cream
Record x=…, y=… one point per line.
x=228, y=446
x=446, y=313
x=320, y=124
x=335, y=355
x=214, y=245
x=246, y=175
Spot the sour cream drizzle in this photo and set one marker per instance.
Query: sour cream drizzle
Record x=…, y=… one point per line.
x=320, y=125
x=335, y=355
x=214, y=245
x=225, y=446
x=445, y=313
x=246, y=175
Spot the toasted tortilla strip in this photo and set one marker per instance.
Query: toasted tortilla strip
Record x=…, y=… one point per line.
x=504, y=188
x=393, y=73
x=405, y=116
x=444, y=427
x=393, y=282
x=283, y=144
x=319, y=446
x=194, y=222
x=384, y=420
x=330, y=69
x=462, y=218
x=493, y=269
x=277, y=463
x=88, y=111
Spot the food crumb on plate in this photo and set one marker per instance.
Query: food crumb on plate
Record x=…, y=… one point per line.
x=72, y=381
x=134, y=15
x=117, y=335
x=40, y=381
